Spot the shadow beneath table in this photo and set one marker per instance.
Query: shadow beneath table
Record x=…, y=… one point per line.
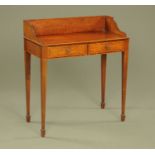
x=77, y=123
x=81, y=142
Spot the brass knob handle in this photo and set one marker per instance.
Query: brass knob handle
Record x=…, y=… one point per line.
x=67, y=49
x=107, y=48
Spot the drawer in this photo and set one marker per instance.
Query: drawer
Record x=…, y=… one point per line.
x=67, y=51
x=105, y=47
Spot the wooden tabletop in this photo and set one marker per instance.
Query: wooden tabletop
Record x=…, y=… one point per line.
x=59, y=31
x=75, y=38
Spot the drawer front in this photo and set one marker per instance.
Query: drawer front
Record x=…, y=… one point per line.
x=67, y=51
x=105, y=47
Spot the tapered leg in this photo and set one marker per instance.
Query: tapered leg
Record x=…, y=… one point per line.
x=124, y=81
x=28, y=80
x=103, y=79
x=43, y=69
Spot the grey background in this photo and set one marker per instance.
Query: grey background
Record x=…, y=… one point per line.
x=74, y=117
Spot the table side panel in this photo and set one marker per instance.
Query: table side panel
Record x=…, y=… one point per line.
x=33, y=48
